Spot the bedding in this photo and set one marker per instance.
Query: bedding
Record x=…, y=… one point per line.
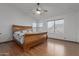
x=19, y=35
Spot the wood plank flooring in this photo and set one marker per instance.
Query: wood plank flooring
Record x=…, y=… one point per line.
x=50, y=48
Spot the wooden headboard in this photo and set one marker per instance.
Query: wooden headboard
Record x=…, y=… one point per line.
x=19, y=28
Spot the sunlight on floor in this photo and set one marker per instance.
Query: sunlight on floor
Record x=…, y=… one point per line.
x=59, y=49
x=56, y=49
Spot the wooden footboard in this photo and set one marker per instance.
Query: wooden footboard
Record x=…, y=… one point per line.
x=33, y=39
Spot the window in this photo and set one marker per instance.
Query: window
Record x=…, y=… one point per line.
x=37, y=26
x=34, y=25
x=56, y=26
x=59, y=26
x=40, y=25
x=50, y=26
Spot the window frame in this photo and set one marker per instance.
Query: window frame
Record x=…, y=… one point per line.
x=54, y=24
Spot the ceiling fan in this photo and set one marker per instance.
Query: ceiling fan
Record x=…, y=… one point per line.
x=38, y=10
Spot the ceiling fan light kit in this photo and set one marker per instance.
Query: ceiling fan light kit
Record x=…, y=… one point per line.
x=38, y=10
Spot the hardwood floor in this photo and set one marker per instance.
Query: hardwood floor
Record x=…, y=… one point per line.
x=50, y=48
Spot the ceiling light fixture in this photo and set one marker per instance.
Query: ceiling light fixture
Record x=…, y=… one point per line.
x=38, y=10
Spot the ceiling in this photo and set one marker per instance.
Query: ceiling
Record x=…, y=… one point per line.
x=54, y=9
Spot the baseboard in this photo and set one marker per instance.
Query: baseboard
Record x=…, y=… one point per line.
x=63, y=40
x=48, y=38
x=6, y=41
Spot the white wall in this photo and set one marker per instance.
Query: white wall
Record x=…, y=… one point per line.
x=70, y=27
x=8, y=17
x=78, y=27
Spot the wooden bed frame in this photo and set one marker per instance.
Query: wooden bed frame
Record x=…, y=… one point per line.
x=30, y=39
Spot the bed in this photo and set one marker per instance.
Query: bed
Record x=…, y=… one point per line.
x=26, y=38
